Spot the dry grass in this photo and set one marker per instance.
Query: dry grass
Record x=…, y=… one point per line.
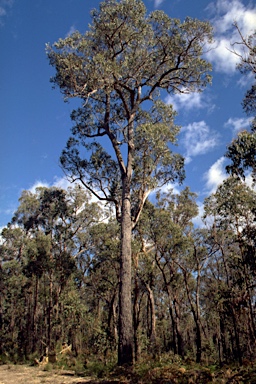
x=172, y=373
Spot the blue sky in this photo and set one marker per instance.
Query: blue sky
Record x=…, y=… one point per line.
x=35, y=122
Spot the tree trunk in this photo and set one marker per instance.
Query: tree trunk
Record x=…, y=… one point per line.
x=223, y=339
x=178, y=343
x=1, y=322
x=34, y=333
x=198, y=342
x=152, y=337
x=136, y=311
x=178, y=330
x=174, y=338
x=125, y=344
x=236, y=351
x=195, y=311
x=112, y=329
x=49, y=313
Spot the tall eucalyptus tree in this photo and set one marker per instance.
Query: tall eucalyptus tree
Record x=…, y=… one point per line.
x=117, y=69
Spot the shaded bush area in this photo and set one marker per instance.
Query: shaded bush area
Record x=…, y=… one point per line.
x=193, y=290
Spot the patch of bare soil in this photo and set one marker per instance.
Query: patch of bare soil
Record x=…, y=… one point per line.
x=22, y=374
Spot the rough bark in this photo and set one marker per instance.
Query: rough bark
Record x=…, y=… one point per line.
x=125, y=346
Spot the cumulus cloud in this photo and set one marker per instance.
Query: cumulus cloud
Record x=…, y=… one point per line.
x=38, y=184
x=222, y=59
x=59, y=182
x=62, y=182
x=198, y=139
x=224, y=14
x=215, y=175
x=186, y=101
x=238, y=124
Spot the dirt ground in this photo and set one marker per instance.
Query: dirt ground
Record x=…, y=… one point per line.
x=22, y=374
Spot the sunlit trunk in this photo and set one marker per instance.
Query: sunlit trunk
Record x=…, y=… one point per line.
x=125, y=345
x=136, y=311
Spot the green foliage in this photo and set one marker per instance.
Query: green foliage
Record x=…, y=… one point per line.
x=242, y=152
x=247, y=65
x=181, y=278
x=99, y=368
x=116, y=67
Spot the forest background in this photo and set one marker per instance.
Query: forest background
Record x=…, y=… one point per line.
x=60, y=259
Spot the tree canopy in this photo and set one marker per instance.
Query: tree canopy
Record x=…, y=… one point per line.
x=118, y=68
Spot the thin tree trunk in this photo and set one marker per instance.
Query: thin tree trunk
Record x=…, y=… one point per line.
x=195, y=312
x=238, y=352
x=222, y=338
x=178, y=330
x=136, y=311
x=136, y=327
x=34, y=333
x=152, y=336
x=198, y=343
x=178, y=345
x=175, y=349
x=1, y=321
x=125, y=345
x=112, y=330
x=49, y=314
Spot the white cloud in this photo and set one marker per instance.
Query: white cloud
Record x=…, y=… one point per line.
x=186, y=101
x=249, y=181
x=215, y=175
x=65, y=183
x=197, y=221
x=62, y=182
x=59, y=182
x=238, y=124
x=158, y=2
x=173, y=187
x=38, y=184
x=246, y=80
x=221, y=57
x=198, y=139
x=232, y=11
x=227, y=12
x=1, y=238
